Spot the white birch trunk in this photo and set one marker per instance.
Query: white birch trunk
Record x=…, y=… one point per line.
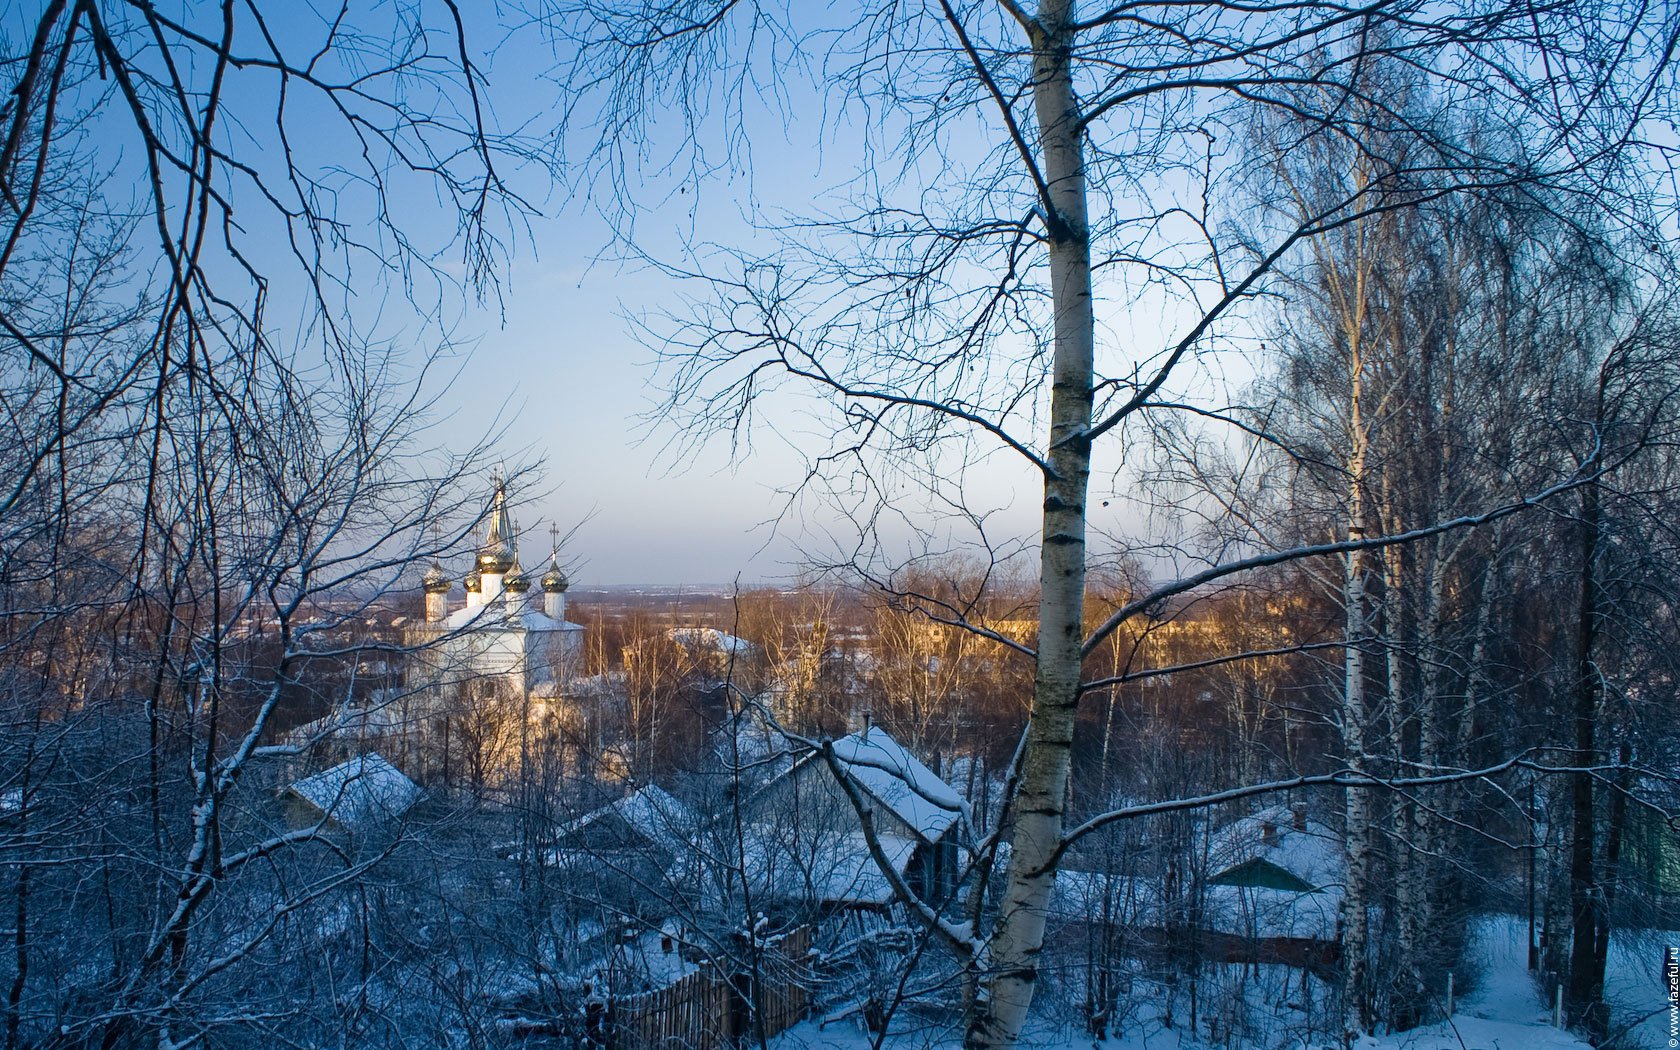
x=1012, y=960
x=1355, y=704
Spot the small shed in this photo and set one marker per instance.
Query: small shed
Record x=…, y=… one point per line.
x=355, y=795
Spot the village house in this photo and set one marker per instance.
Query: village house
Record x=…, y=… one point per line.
x=810, y=828
x=357, y=795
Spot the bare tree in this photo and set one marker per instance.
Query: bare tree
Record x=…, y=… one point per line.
x=214, y=466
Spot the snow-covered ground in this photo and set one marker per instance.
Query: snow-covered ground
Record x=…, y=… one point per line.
x=1505, y=1012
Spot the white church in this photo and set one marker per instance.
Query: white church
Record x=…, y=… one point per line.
x=478, y=676
x=504, y=639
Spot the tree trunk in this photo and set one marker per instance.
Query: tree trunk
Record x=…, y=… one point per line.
x=1012, y=960
x=1355, y=708
x=1584, y=992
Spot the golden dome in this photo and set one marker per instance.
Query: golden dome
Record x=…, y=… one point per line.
x=497, y=559
x=473, y=583
x=516, y=581
x=554, y=581
x=497, y=553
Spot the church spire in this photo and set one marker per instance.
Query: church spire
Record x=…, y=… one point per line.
x=496, y=555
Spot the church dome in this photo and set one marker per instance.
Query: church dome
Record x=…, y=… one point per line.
x=435, y=581
x=473, y=583
x=554, y=581
x=516, y=581
x=497, y=558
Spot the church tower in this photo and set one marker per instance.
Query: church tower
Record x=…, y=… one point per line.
x=436, y=585
x=554, y=585
x=496, y=557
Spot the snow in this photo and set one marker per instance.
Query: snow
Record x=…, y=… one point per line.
x=1244, y=911
x=1505, y=1012
x=363, y=791
x=651, y=812
x=839, y=871
x=898, y=780
x=1312, y=851
x=1262, y=912
x=710, y=638
x=1636, y=989
x=497, y=614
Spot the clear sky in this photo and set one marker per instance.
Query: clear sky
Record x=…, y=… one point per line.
x=554, y=365
x=574, y=386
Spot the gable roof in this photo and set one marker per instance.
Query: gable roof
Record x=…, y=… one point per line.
x=1260, y=873
x=651, y=813
x=899, y=781
x=1286, y=839
x=360, y=792
x=710, y=638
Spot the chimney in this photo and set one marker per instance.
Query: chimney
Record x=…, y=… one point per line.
x=864, y=736
x=1298, y=815
x=1268, y=833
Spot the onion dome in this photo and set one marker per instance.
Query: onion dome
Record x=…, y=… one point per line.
x=517, y=582
x=554, y=581
x=497, y=553
x=473, y=583
x=495, y=559
x=435, y=581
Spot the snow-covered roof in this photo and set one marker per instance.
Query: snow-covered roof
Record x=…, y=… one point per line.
x=710, y=638
x=1283, y=836
x=651, y=812
x=1243, y=911
x=363, y=791
x=843, y=871
x=496, y=614
x=898, y=780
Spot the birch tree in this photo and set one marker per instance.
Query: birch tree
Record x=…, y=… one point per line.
x=1036, y=251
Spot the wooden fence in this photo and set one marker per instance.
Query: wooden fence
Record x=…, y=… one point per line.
x=712, y=1008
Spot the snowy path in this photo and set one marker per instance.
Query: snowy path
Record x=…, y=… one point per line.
x=1505, y=1013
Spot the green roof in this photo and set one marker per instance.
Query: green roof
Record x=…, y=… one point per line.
x=1262, y=874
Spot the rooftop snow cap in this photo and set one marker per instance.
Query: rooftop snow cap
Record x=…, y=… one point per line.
x=363, y=791
x=435, y=581
x=899, y=781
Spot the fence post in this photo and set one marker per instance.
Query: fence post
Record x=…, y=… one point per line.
x=1449, y=994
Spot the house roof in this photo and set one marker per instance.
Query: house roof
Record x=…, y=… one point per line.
x=899, y=781
x=1285, y=840
x=843, y=871
x=360, y=792
x=650, y=812
x=1260, y=873
x=710, y=638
